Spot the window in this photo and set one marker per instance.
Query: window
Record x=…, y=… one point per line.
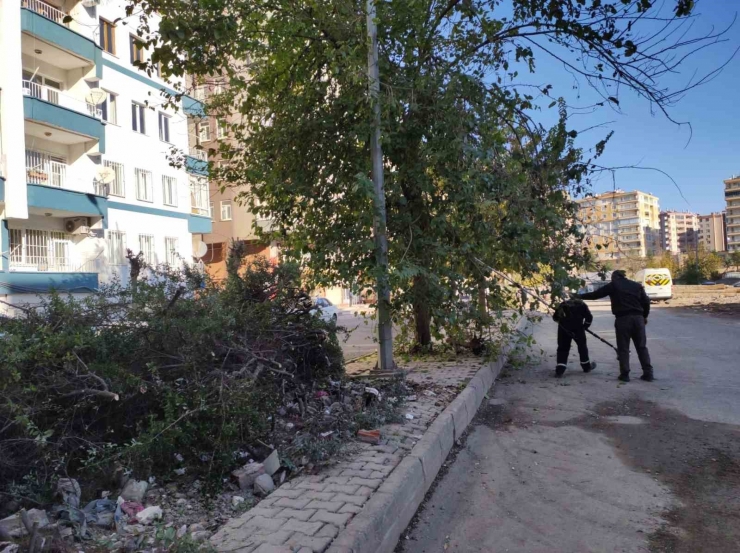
x=226, y=210
x=138, y=119
x=211, y=211
x=116, y=247
x=169, y=190
x=199, y=195
x=146, y=246
x=41, y=250
x=109, y=108
x=117, y=187
x=136, y=48
x=220, y=129
x=170, y=250
x=144, y=190
x=199, y=93
x=204, y=131
x=107, y=36
x=164, y=127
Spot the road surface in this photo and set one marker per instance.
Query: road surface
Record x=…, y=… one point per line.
x=585, y=463
x=359, y=341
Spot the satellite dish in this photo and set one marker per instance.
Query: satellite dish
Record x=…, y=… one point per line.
x=200, y=249
x=106, y=175
x=96, y=96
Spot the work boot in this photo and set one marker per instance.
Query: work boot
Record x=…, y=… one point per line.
x=647, y=377
x=588, y=367
x=559, y=371
x=624, y=377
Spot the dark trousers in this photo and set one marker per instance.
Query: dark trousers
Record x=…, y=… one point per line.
x=564, y=339
x=632, y=327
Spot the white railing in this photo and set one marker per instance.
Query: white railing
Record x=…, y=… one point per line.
x=54, y=96
x=43, y=168
x=200, y=202
x=100, y=188
x=40, y=250
x=47, y=10
x=198, y=153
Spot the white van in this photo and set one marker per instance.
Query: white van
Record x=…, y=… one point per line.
x=657, y=282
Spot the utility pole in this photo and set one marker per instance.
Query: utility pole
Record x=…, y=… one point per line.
x=385, y=328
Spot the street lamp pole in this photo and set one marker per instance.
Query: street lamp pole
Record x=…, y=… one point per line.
x=385, y=329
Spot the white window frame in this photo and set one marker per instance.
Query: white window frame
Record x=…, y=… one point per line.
x=138, y=118
x=111, y=108
x=118, y=186
x=212, y=210
x=40, y=250
x=169, y=190
x=199, y=93
x=226, y=204
x=146, y=246
x=171, y=253
x=164, y=127
x=220, y=129
x=204, y=126
x=144, y=186
x=117, y=247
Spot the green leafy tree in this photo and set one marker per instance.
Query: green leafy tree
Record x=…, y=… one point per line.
x=469, y=176
x=733, y=260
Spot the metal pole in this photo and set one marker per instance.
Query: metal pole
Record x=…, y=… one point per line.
x=385, y=329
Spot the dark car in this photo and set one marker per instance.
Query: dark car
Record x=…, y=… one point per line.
x=708, y=283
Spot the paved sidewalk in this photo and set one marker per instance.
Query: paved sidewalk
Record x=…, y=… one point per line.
x=307, y=513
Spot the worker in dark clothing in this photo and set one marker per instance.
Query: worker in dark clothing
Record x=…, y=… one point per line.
x=573, y=318
x=631, y=307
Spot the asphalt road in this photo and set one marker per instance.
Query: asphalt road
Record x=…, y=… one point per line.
x=359, y=340
x=585, y=463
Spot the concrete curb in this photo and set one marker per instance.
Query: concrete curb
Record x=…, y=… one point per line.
x=377, y=528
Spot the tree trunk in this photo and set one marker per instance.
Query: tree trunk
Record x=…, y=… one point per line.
x=422, y=313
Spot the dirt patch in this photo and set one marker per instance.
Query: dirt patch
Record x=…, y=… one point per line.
x=726, y=310
x=699, y=461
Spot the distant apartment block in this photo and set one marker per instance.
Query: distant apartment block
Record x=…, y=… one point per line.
x=679, y=231
x=732, y=198
x=713, y=232
x=624, y=224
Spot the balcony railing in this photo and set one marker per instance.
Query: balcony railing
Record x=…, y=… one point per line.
x=54, y=96
x=47, y=10
x=200, y=203
x=43, y=168
x=101, y=189
x=199, y=154
x=40, y=250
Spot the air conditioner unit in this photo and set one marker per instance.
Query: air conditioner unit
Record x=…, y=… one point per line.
x=77, y=225
x=90, y=3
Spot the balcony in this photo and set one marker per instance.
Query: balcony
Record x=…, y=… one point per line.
x=200, y=202
x=40, y=250
x=46, y=169
x=58, y=98
x=199, y=154
x=47, y=10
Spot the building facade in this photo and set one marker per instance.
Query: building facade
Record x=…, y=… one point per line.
x=84, y=144
x=620, y=224
x=679, y=231
x=713, y=232
x=732, y=199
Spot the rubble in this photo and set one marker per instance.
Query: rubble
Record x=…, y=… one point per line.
x=13, y=525
x=149, y=515
x=69, y=490
x=272, y=463
x=263, y=485
x=369, y=436
x=246, y=475
x=236, y=501
x=135, y=490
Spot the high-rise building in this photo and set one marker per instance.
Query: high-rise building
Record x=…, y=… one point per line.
x=84, y=143
x=732, y=198
x=623, y=224
x=678, y=231
x=712, y=232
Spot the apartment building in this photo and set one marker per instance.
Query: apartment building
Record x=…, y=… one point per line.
x=732, y=199
x=231, y=221
x=623, y=224
x=713, y=232
x=679, y=231
x=84, y=140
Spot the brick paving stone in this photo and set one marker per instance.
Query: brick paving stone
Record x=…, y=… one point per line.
x=308, y=528
x=340, y=488
x=328, y=531
x=337, y=480
x=371, y=483
x=337, y=519
x=378, y=474
x=258, y=523
x=353, y=499
x=273, y=538
x=268, y=512
x=311, y=486
x=356, y=465
x=300, y=514
x=332, y=506
x=349, y=508
x=321, y=496
x=292, y=503
x=363, y=491
x=291, y=494
x=267, y=548
x=317, y=544
x=356, y=473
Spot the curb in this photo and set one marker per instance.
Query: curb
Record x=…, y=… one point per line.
x=378, y=527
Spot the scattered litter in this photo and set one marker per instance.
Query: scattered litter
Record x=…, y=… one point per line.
x=237, y=500
x=180, y=472
x=326, y=434
x=369, y=436
x=149, y=515
x=429, y=393
x=409, y=416
x=263, y=485
x=411, y=398
x=69, y=490
x=272, y=463
x=246, y=475
x=135, y=490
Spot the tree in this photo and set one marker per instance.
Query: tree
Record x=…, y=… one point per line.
x=470, y=178
x=733, y=260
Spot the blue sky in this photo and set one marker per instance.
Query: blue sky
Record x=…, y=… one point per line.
x=641, y=138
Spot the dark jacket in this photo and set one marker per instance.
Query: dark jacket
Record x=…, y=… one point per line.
x=573, y=315
x=627, y=296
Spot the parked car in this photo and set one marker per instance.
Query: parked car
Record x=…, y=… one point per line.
x=326, y=310
x=708, y=283
x=736, y=285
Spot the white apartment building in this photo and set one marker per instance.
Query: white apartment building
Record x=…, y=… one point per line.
x=73, y=103
x=679, y=231
x=623, y=224
x=712, y=232
x=732, y=198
